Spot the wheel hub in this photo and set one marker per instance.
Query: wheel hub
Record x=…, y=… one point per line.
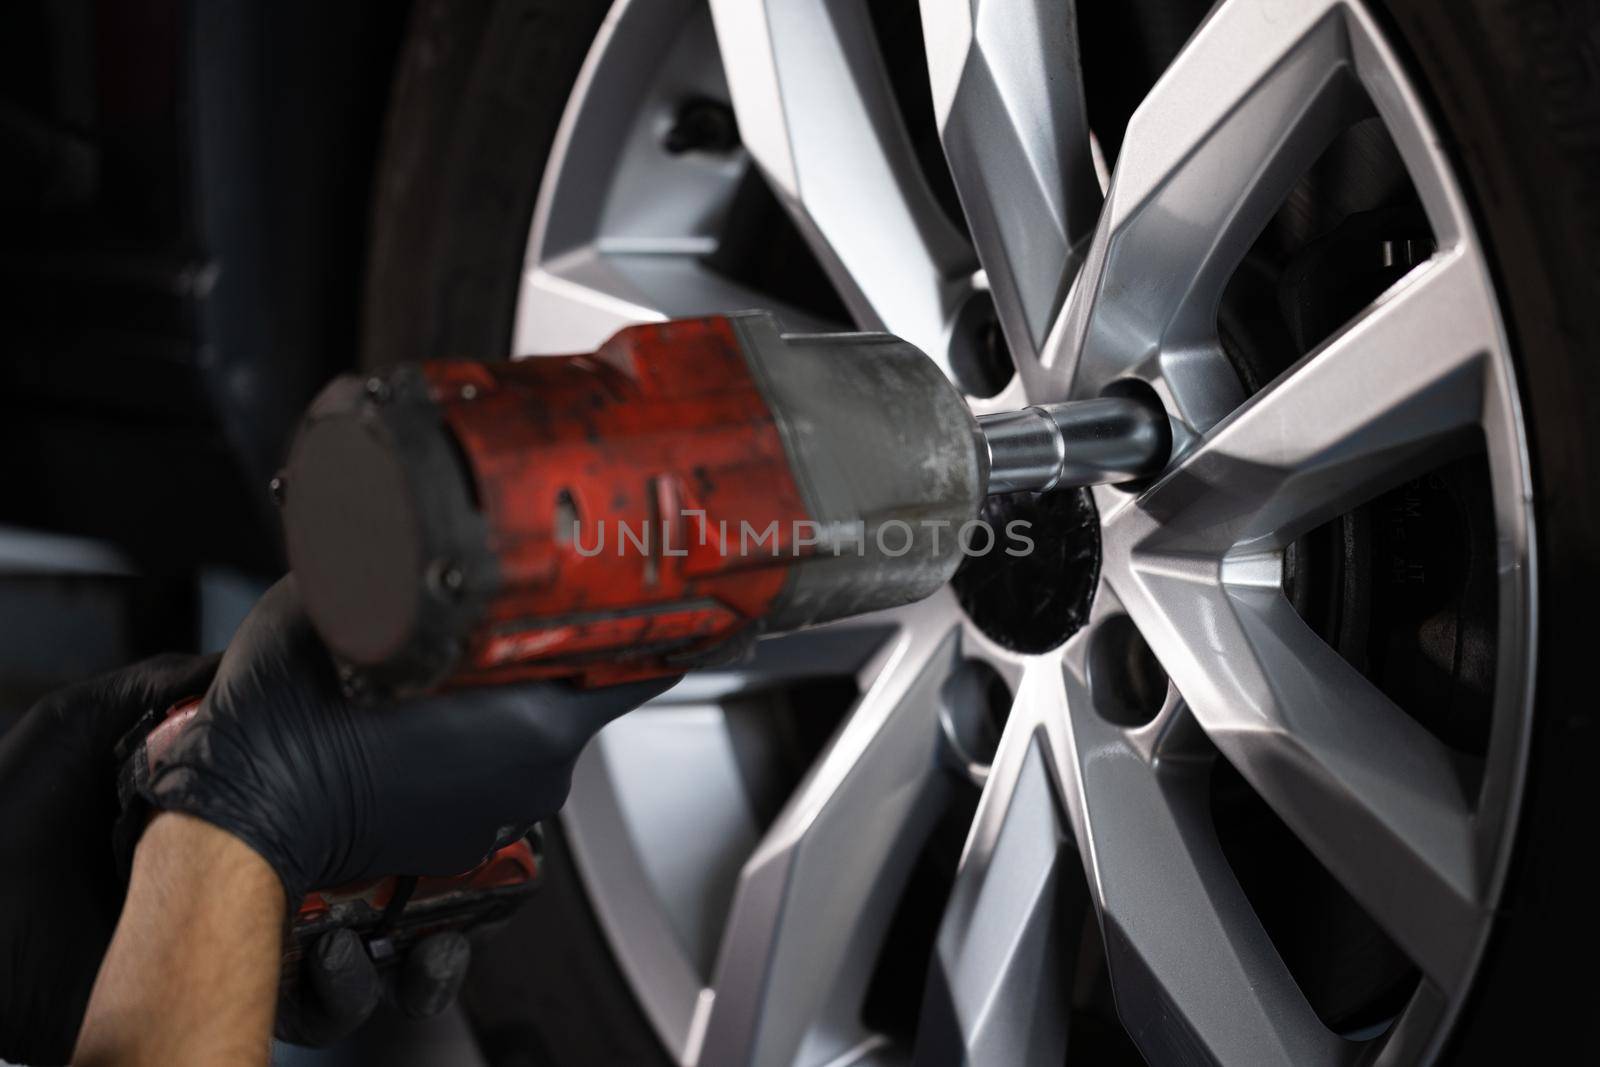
x=1032, y=601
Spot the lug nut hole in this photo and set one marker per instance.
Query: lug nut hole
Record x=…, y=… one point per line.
x=974, y=703
x=1141, y=390
x=1125, y=677
x=702, y=125
x=980, y=360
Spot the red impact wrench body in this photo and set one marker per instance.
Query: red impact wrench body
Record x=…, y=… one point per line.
x=656, y=504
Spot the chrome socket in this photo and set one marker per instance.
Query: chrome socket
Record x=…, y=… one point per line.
x=1075, y=443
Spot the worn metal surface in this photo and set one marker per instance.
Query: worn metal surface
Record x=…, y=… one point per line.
x=889, y=484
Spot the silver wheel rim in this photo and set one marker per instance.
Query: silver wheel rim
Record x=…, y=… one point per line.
x=749, y=945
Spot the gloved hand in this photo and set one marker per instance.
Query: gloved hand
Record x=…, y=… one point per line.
x=329, y=792
x=60, y=893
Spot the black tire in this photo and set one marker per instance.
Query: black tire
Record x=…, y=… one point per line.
x=478, y=93
x=1515, y=93
x=1516, y=97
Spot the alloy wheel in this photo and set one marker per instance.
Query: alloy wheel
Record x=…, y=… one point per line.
x=1188, y=656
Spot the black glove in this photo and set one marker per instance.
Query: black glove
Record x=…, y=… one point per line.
x=329, y=792
x=60, y=893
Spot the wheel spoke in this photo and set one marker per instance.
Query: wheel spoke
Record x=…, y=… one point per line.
x=816, y=898
x=1375, y=797
x=1208, y=157
x=604, y=252
x=623, y=782
x=1400, y=390
x=1000, y=982
x=575, y=306
x=817, y=113
x=1008, y=97
x=575, y=302
x=1196, y=978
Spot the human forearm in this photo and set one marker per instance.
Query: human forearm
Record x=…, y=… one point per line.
x=192, y=972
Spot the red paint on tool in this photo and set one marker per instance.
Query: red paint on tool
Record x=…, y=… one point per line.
x=662, y=421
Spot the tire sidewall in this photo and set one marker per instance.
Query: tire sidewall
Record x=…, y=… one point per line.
x=1503, y=81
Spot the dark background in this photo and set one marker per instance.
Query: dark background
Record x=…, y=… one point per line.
x=184, y=194
x=184, y=208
